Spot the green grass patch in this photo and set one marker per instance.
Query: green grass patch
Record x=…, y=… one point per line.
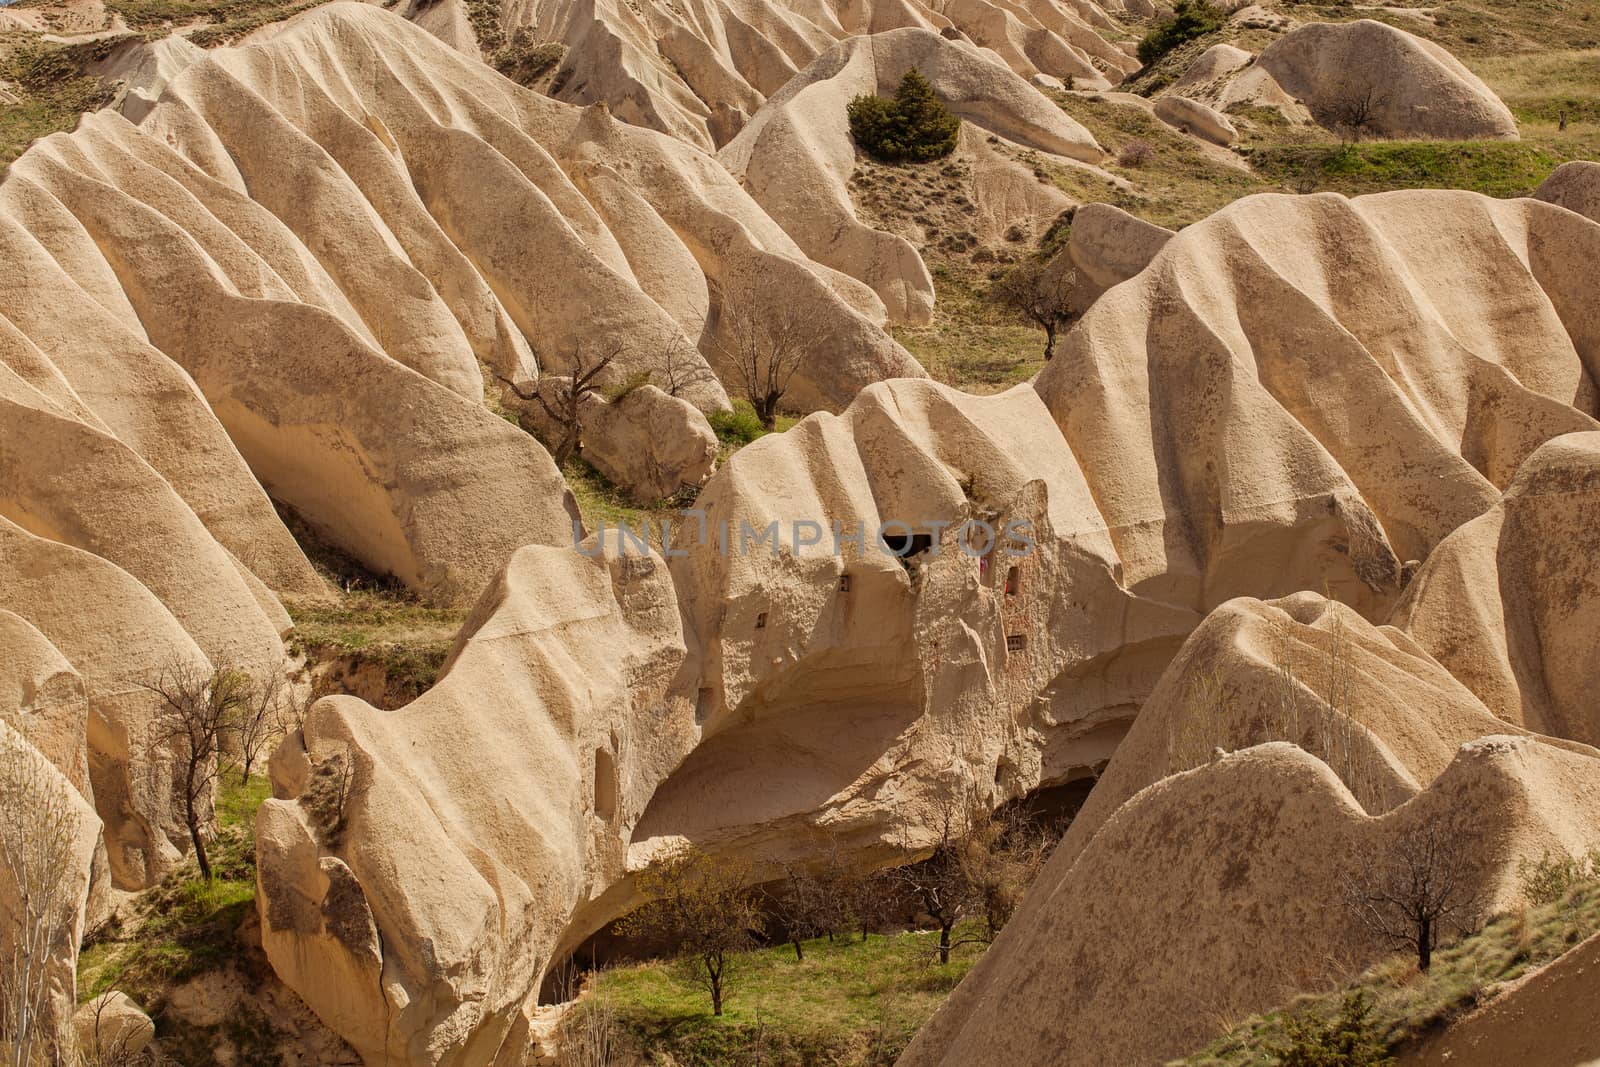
x=185, y=926
x=1495, y=168
x=972, y=343
x=1408, y=1005
x=387, y=629
x=849, y=1003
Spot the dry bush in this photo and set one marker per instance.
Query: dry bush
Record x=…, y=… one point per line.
x=1136, y=153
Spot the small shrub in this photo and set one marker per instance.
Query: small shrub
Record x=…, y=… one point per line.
x=524, y=60
x=1136, y=153
x=737, y=427
x=915, y=127
x=1350, y=1040
x=1190, y=19
x=1550, y=878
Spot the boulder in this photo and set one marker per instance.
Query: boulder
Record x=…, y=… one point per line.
x=647, y=443
x=1191, y=116
x=1574, y=186
x=1372, y=77
x=112, y=1026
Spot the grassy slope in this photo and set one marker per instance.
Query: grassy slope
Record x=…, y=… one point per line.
x=184, y=926
x=849, y=1003
x=1408, y=1004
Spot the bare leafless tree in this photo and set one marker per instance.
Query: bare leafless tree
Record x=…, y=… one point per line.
x=1040, y=293
x=942, y=885
x=699, y=907
x=1003, y=854
x=682, y=367
x=814, y=900
x=561, y=396
x=200, y=713
x=764, y=352
x=261, y=716
x=1407, y=893
x=1354, y=113
x=110, y=1041
x=38, y=826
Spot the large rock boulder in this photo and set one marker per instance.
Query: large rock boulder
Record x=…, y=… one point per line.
x=1574, y=186
x=112, y=1028
x=1191, y=116
x=647, y=442
x=1374, y=78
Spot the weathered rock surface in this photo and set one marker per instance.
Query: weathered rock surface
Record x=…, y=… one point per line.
x=112, y=1025
x=1510, y=602
x=1106, y=246
x=796, y=155
x=1386, y=81
x=1179, y=875
x=1384, y=716
x=1192, y=116
x=52, y=876
x=647, y=442
x=1180, y=452
x=410, y=903
x=186, y=248
x=1574, y=186
x=700, y=76
x=1227, y=77
x=1324, y=386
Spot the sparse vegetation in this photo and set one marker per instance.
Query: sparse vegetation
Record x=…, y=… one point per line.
x=1550, y=878
x=700, y=908
x=1408, y=1005
x=52, y=90
x=1347, y=1040
x=187, y=925
x=915, y=127
x=525, y=59
x=851, y=1003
